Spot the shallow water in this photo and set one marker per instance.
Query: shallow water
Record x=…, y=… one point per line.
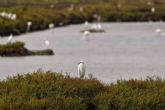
x=124, y=51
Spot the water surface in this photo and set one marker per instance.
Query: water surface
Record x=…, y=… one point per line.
x=124, y=51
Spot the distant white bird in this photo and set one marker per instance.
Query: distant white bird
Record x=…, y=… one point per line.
x=86, y=33
x=3, y=14
x=153, y=10
x=81, y=69
x=99, y=27
x=9, y=15
x=85, y=36
x=47, y=42
x=96, y=27
x=13, y=17
x=93, y=27
x=158, y=30
x=81, y=9
x=10, y=38
x=86, y=23
x=51, y=25
x=29, y=24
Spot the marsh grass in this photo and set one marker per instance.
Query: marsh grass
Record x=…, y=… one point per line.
x=42, y=15
x=18, y=49
x=53, y=91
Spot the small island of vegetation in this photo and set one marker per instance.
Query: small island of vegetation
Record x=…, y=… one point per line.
x=54, y=91
x=18, y=49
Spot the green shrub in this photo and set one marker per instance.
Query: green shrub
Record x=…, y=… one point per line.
x=53, y=91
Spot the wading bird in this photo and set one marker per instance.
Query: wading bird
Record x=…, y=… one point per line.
x=158, y=30
x=86, y=33
x=51, y=25
x=10, y=38
x=86, y=36
x=86, y=23
x=29, y=24
x=81, y=69
x=153, y=10
x=47, y=43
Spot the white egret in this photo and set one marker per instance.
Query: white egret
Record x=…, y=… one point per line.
x=99, y=27
x=47, y=43
x=10, y=38
x=96, y=27
x=81, y=69
x=9, y=15
x=93, y=27
x=3, y=14
x=153, y=10
x=86, y=35
x=13, y=17
x=86, y=23
x=29, y=24
x=158, y=30
x=51, y=25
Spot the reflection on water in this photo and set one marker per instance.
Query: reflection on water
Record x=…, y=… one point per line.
x=125, y=50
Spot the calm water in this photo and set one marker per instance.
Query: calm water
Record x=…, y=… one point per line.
x=125, y=50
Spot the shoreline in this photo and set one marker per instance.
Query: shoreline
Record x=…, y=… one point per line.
x=42, y=17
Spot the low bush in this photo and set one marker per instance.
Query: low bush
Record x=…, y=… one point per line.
x=18, y=49
x=53, y=91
